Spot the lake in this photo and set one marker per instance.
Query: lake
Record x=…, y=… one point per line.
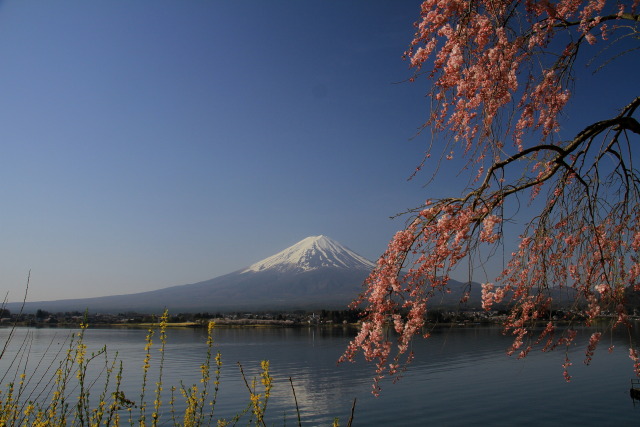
x=460, y=376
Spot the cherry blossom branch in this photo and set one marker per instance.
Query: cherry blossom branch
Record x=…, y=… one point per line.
x=501, y=70
x=623, y=121
x=617, y=17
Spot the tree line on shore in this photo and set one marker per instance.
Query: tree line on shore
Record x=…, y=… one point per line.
x=280, y=318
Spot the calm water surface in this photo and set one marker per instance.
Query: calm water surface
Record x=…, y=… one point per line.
x=460, y=376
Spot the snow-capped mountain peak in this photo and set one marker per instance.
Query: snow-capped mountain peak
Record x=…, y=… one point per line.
x=312, y=253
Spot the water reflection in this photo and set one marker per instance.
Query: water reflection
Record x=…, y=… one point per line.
x=460, y=376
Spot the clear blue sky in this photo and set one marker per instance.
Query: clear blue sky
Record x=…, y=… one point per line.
x=145, y=144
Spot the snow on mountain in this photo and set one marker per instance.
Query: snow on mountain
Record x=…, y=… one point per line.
x=315, y=273
x=310, y=254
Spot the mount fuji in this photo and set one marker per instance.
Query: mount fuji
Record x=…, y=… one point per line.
x=312, y=253
x=316, y=272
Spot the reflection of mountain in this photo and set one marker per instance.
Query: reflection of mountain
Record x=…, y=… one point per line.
x=317, y=272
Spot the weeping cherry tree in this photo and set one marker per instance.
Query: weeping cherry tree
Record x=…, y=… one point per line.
x=503, y=73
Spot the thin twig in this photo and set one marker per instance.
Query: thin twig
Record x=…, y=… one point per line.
x=15, y=323
x=353, y=410
x=296, y=401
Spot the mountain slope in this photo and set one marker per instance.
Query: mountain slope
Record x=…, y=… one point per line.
x=317, y=272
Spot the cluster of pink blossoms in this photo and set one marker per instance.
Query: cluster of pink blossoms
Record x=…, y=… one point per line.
x=480, y=64
x=403, y=284
x=591, y=348
x=491, y=295
x=633, y=355
x=590, y=261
